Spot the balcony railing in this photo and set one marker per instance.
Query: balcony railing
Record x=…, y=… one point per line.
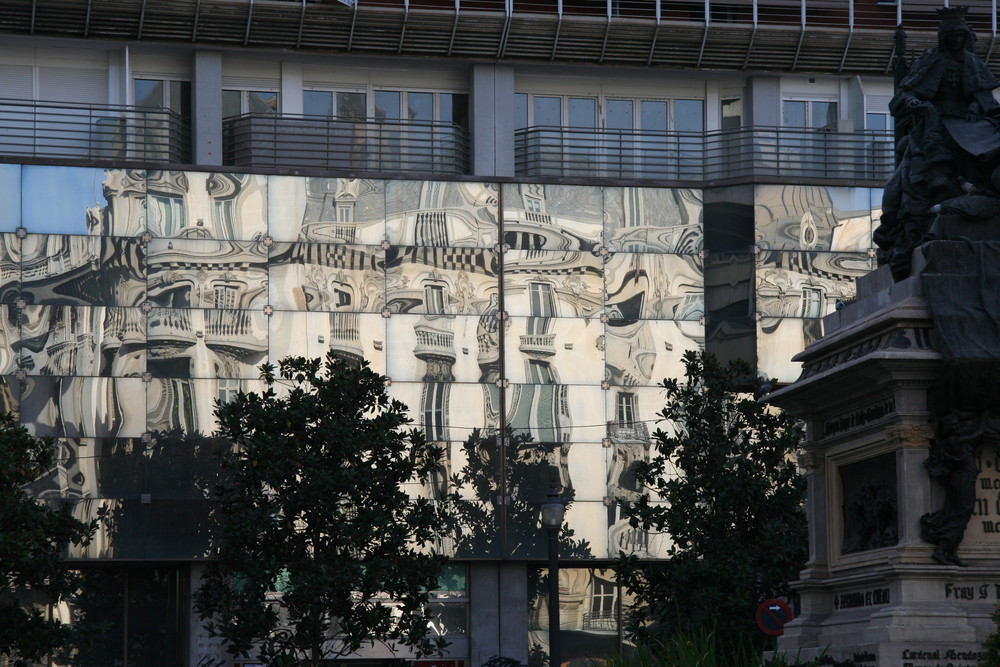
x=260, y=140
x=93, y=132
x=746, y=152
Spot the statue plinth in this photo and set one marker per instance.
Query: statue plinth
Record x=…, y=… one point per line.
x=899, y=404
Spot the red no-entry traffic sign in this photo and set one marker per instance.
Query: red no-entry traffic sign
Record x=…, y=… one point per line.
x=772, y=616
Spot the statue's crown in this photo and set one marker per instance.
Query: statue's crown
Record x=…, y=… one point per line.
x=952, y=17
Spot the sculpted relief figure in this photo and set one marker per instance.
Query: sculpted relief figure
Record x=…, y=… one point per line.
x=948, y=148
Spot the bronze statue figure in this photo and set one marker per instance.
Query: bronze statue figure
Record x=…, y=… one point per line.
x=948, y=143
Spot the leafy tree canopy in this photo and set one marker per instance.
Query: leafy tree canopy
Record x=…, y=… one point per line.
x=34, y=537
x=318, y=550
x=732, y=506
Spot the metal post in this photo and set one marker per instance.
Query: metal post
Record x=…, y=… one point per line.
x=555, y=655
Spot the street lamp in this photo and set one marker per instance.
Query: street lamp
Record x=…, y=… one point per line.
x=553, y=511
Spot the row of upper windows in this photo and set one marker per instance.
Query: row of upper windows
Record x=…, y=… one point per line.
x=530, y=110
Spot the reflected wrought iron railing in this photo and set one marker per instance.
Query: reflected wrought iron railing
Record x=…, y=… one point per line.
x=694, y=156
x=93, y=132
x=266, y=140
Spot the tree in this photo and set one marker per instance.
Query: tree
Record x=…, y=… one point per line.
x=732, y=506
x=33, y=541
x=317, y=549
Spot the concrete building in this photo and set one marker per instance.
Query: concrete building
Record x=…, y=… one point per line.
x=522, y=212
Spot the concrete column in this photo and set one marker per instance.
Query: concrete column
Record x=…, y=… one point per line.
x=762, y=106
x=491, y=112
x=498, y=612
x=291, y=88
x=206, y=105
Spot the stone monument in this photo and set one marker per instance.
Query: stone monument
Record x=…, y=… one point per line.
x=901, y=396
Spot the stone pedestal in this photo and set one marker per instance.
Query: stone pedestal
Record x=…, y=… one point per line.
x=871, y=595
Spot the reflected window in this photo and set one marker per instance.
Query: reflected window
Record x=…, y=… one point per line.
x=542, y=303
x=225, y=296
x=603, y=599
x=345, y=211
x=435, y=401
x=539, y=372
x=533, y=204
x=222, y=210
x=626, y=408
x=812, y=302
x=434, y=299
x=169, y=213
x=228, y=388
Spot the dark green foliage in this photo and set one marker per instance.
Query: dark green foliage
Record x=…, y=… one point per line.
x=733, y=508
x=311, y=505
x=33, y=540
x=484, y=526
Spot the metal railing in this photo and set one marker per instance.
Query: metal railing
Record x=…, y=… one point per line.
x=260, y=140
x=93, y=132
x=686, y=156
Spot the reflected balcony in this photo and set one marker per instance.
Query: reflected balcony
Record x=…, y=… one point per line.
x=790, y=153
x=171, y=327
x=543, y=345
x=433, y=344
x=267, y=140
x=235, y=331
x=345, y=336
x=125, y=326
x=93, y=132
x=627, y=431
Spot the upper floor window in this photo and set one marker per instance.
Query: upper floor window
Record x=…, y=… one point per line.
x=388, y=105
x=808, y=114
x=652, y=115
x=238, y=102
x=173, y=95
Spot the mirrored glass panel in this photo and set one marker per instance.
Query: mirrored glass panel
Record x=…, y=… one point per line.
x=212, y=205
x=554, y=350
x=439, y=214
x=326, y=210
x=79, y=340
x=76, y=209
x=641, y=353
x=326, y=277
x=10, y=268
x=651, y=286
x=208, y=273
x=821, y=218
x=653, y=220
x=83, y=407
x=776, y=338
x=434, y=348
x=435, y=281
x=806, y=284
x=83, y=270
x=10, y=194
x=553, y=284
x=351, y=336
x=552, y=217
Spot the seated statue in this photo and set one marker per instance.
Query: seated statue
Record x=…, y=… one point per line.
x=948, y=143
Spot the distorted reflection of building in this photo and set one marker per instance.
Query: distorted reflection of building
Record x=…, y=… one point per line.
x=524, y=252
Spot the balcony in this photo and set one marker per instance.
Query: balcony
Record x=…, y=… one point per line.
x=93, y=132
x=260, y=140
x=751, y=152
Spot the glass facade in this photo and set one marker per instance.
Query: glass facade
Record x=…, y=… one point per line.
x=132, y=300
